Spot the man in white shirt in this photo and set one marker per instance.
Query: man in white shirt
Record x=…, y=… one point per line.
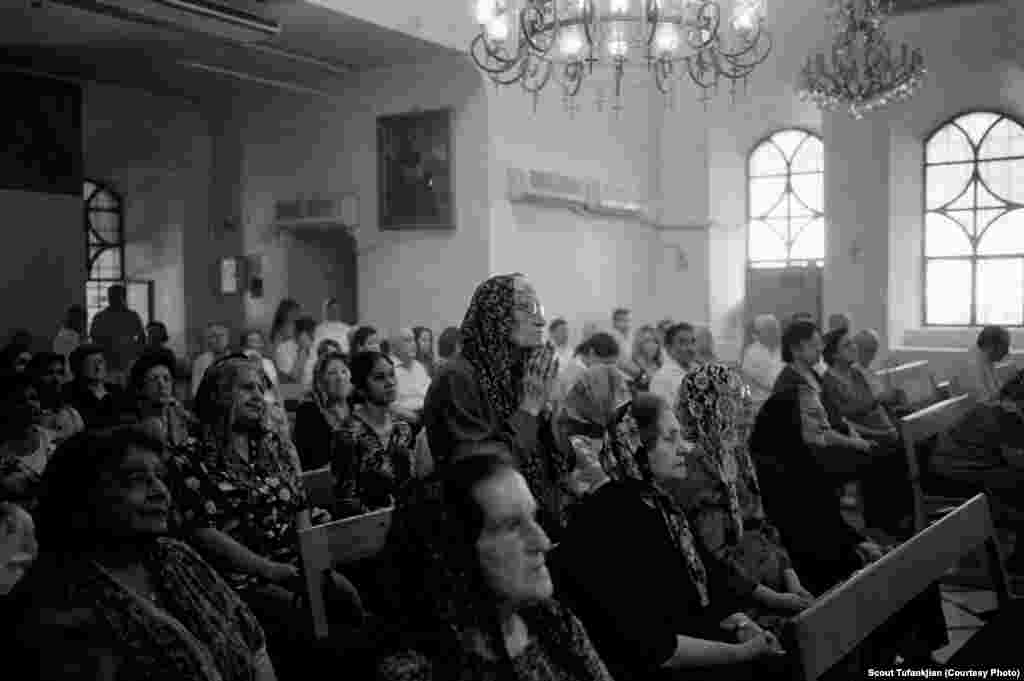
x=622, y=331
x=293, y=355
x=332, y=327
x=217, y=338
x=762, y=360
x=680, y=358
x=977, y=374
x=411, y=378
x=558, y=332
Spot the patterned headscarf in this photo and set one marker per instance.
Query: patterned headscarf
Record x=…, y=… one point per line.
x=487, y=344
x=591, y=411
x=676, y=524
x=715, y=408
x=318, y=396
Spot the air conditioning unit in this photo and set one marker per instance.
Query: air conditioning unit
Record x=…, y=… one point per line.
x=319, y=213
x=538, y=186
x=209, y=17
x=619, y=201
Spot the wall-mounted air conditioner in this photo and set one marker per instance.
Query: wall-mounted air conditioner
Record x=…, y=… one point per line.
x=538, y=186
x=319, y=212
x=211, y=17
x=619, y=201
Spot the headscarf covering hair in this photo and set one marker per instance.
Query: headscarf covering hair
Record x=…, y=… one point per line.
x=443, y=603
x=217, y=382
x=638, y=430
x=317, y=395
x=487, y=344
x=417, y=333
x=715, y=408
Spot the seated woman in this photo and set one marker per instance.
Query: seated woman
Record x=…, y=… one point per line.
x=111, y=597
x=323, y=412
x=473, y=594
x=25, y=447
x=823, y=547
x=18, y=546
x=656, y=602
x=99, y=402
x=151, y=386
x=372, y=457
x=238, y=492
x=721, y=493
x=47, y=370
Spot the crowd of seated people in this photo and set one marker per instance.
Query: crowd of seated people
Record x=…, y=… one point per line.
x=686, y=535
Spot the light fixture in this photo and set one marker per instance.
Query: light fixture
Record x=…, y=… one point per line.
x=862, y=71
x=535, y=42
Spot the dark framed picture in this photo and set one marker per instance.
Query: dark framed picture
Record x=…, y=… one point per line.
x=414, y=167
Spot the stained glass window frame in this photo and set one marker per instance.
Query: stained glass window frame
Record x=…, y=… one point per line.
x=974, y=182
x=753, y=261
x=96, y=244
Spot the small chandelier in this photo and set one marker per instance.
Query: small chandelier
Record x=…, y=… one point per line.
x=865, y=72
x=535, y=42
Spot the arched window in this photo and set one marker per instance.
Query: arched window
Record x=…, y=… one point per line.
x=785, y=199
x=973, y=222
x=104, y=243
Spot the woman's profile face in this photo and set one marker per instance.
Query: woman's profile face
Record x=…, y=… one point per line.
x=667, y=455
x=131, y=498
x=337, y=380
x=512, y=545
x=527, y=316
x=157, y=385
x=380, y=385
x=425, y=342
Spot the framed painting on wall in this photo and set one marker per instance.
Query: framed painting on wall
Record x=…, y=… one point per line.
x=414, y=171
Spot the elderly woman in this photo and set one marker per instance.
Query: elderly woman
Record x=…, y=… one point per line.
x=240, y=498
x=373, y=449
x=499, y=385
x=97, y=401
x=657, y=603
x=151, y=385
x=323, y=412
x=824, y=547
x=473, y=594
x=111, y=597
x=721, y=492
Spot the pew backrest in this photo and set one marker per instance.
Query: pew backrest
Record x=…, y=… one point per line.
x=921, y=425
x=826, y=632
x=319, y=484
x=338, y=543
x=915, y=379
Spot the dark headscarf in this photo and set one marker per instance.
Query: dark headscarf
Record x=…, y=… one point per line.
x=487, y=343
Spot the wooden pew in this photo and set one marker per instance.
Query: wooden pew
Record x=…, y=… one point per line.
x=824, y=634
x=916, y=381
x=319, y=486
x=338, y=543
x=918, y=427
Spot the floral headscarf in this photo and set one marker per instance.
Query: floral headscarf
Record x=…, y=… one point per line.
x=678, y=527
x=715, y=407
x=487, y=345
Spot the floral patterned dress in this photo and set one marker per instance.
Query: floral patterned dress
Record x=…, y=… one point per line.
x=370, y=473
x=255, y=501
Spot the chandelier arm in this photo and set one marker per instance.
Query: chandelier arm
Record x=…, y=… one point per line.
x=537, y=26
x=530, y=82
x=504, y=63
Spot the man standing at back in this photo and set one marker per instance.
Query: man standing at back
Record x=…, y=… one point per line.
x=680, y=358
x=119, y=331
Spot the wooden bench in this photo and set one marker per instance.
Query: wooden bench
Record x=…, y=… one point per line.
x=821, y=636
x=319, y=486
x=915, y=380
x=336, y=543
x=915, y=429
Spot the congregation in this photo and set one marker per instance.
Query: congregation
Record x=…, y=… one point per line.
x=628, y=508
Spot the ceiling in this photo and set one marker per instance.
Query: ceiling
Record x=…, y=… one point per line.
x=313, y=53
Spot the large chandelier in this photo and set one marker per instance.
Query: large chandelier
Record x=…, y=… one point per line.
x=863, y=72
x=536, y=42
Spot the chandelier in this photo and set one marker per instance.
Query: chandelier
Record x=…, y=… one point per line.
x=864, y=72
x=537, y=42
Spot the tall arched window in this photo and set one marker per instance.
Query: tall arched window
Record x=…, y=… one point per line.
x=785, y=198
x=973, y=222
x=104, y=235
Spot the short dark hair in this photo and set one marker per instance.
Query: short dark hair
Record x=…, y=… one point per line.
x=555, y=323
x=601, y=344
x=675, y=330
x=146, y=361
x=361, y=335
x=448, y=342
x=619, y=311
x=117, y=292
x=79, y=354
x=646, y=409
x=164, y=336
x=796, y=334
x=832, y=340
x=991, y=335
x=305, y=325
x=361, y=366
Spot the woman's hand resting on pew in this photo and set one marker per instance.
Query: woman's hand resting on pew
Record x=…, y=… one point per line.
x=755, y=642
x=869, y=551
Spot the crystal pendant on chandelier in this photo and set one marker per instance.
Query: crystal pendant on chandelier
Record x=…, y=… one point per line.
x=863, y=72
x=536, y=42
